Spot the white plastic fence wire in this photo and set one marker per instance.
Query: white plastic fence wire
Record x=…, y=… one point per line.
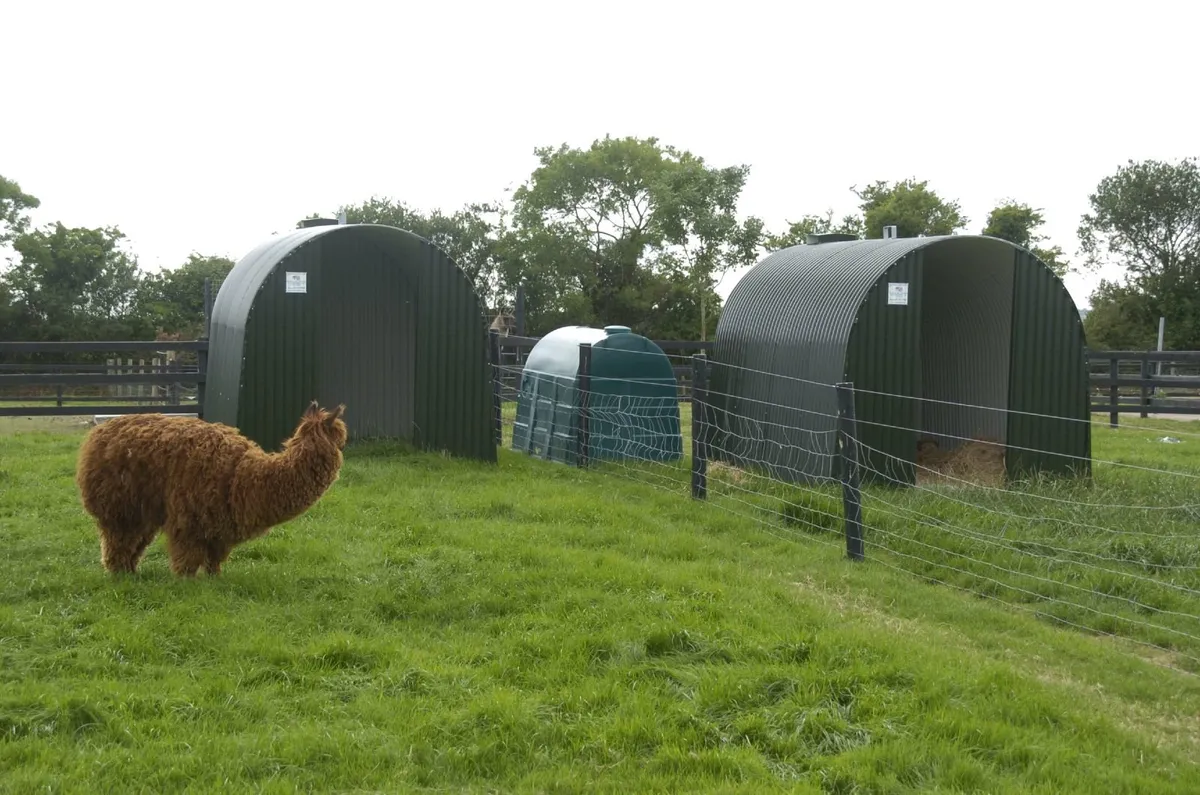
x=1127, y=426
x=1101, y=557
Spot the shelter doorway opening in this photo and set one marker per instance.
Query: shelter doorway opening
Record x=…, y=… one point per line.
x=966, y=337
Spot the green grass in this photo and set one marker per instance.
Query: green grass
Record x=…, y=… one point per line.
x=1118, y=555
x=443, y=625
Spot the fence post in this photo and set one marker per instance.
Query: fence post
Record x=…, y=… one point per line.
x=851, y=491
x=583, y=390
x=173, y=387
x=1114, y=395
x=699, y=398
x=208, y=306
x=497, y=399
x=519, y=310
x=202, y=371
x=1145, y=401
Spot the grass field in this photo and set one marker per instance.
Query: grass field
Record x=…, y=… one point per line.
x=443, y=625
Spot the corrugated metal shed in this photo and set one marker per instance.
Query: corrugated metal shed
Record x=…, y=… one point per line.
x=945, y=338
x=362, y=314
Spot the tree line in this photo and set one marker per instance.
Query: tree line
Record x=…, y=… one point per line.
x=635, y=232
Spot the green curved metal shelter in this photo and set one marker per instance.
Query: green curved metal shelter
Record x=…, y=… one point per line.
x=632, y=398
x=363, y=314
x=944, y=338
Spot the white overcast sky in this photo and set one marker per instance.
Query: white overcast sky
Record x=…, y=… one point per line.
x=207, y=127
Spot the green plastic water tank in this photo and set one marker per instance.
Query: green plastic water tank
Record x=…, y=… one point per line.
x=633, y=399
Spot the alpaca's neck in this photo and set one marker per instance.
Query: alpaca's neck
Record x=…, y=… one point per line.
x=272, y=489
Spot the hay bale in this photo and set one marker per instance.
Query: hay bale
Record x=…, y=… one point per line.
x=718, y=470
x=979, y=461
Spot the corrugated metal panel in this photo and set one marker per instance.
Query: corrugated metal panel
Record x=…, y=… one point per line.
x=820, y=313
x=1050, y=376
x=371, y=312
x=966, y=337
x=231, y=310
x=408, y=354
x=279, y=373
x=883, y=359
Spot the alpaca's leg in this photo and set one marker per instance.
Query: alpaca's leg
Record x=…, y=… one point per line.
x=122, y=551
x=143, y=541
x=218, y=551
x=187, y=554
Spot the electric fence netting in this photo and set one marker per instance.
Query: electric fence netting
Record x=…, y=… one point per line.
x=1113, y=551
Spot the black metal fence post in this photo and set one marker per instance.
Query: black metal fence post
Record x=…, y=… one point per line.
x=497, y=384
x=583, y=389
x=1145, y=393
x=1114, y=393
x=519, y=311
x=208, y=307
x=202, y=384
x=851, y=488
x=699, y=449
x=202, y=354
x=173, y=387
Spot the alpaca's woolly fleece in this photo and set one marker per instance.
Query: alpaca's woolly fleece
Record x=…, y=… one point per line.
x=205, y=485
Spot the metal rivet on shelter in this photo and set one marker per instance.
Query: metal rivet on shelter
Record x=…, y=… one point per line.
x=945, y=338
x=367, y=315
x=632, y=400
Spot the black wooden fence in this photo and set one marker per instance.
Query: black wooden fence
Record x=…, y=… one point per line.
x=38, y=378
x=39, y=388
x=1144, y=383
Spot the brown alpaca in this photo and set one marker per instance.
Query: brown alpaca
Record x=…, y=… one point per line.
x=207, y=487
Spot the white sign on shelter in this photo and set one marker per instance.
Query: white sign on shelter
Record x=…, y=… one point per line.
x=296, y=282
x=897, y=293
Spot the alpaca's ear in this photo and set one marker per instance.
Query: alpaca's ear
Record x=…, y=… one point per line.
x=313, y=411
x=336, y=414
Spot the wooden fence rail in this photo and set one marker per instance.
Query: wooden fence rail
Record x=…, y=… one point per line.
x=1120, y=373
x=129, y=387
x=1122, y=382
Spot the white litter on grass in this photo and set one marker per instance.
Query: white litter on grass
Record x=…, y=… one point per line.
x=99, y=418
x=1170, y=440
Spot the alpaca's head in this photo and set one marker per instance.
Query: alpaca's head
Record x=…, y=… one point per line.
x=319, y=423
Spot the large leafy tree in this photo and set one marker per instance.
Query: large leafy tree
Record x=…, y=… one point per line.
x=909, y=205
x=173, y=300
x=1145, y=219
x=798, y=231
x=76, y=283
x=1121, y=318
x=15, y=205
x=468, y=236
x=620, y=231
x=10, y=312
x=1019, y=223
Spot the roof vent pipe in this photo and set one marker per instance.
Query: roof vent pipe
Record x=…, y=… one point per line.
x=829, y=237
x=311, y=222
x=889, y=232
